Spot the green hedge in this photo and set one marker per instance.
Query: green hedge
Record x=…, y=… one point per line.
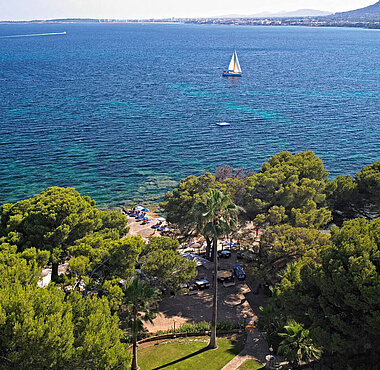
x=204, y=326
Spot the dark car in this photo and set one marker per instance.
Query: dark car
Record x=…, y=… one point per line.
x=225, y=275
x=224, y=254
x=202, y=284
x=239, y=272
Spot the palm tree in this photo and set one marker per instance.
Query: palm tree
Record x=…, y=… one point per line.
x=215, y=216
x=138, y=297
x=271, y=320
x=297, y=345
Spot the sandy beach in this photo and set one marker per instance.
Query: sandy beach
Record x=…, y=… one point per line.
x=145, y=231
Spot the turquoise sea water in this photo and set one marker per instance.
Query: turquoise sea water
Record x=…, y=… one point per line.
x=121, y=112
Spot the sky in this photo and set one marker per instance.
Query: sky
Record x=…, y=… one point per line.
x=144, y=9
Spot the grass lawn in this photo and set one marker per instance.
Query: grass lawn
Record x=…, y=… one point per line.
x=251, y=365
x=188, y=353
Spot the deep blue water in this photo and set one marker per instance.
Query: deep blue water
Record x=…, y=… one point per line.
x=123, y=111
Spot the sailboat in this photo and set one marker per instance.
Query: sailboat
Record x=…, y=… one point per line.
x=234, y=67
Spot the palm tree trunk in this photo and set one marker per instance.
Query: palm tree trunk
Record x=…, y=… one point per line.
x=54, y=271
x=208, y=248
x=213, y=344
x=134, y=359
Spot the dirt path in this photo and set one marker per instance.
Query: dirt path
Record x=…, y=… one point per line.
x=256, y=348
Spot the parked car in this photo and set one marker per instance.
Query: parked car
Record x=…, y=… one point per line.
x=239, y=272
x=225, y=275
x=224, y=254
x=202, y=284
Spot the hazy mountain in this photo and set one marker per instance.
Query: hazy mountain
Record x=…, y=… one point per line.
x=282, y=14
x=368, y=13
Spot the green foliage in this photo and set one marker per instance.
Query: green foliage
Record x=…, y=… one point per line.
x=351, y=197
x=179, y=203
x=336, y=295
x=202, y=326
x=103, y=261
x=53, y=221
x=114, y=293
x=368, y=182
x=41, y=257
x=124, y=256
x=79, y=265
x=168, y=268
x=216, y=215
x=16, y=270
x=39, y=329
x=235, y=189
x=271, y=320
x=297, y=345
x=137, y=307
x=97, y=335
x=341, y=198
x=161, y=243
x=289, y=188
x=165, y=267
x=283, y=244
x=48, y=328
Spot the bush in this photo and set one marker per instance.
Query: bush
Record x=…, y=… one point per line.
x=201, y=326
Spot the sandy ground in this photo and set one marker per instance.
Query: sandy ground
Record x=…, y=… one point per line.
x=146, y=231
x=233, y=303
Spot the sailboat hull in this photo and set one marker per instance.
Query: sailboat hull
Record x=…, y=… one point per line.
x=231, y=74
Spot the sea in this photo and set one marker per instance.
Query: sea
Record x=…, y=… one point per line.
x=122, y=112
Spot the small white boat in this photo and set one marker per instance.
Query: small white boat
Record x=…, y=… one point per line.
x=222, y=123
x=234, y=69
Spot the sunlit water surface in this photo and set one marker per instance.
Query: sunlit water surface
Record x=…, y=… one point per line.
x=121, y=112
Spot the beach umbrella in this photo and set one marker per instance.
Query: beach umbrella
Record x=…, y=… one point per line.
x=161, y=219
x=139, y=208
x=145, y=210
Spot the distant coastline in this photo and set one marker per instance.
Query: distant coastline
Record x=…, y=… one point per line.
x=320, y=21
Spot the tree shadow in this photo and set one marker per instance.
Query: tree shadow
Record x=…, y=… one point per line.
x=237, y=346
x=182, y=358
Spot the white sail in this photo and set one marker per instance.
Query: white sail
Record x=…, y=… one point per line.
x=237, y=68
x=232, y=63
x=234, y=66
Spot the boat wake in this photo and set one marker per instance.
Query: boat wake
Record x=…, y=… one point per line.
x=37, y=34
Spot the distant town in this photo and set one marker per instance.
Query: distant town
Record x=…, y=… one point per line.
x=368, y=17
x=291, y=21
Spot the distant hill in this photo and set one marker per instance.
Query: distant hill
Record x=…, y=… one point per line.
x=368, y=13
x=283, y=14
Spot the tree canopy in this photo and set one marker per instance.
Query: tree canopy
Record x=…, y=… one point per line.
x=349, y=197
x=284, y=244
x=336, y=293
x=289, y=188
x=297, y=345
x=43, y=328
x=165, y=266
x=179, y=203
x=54, y=220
